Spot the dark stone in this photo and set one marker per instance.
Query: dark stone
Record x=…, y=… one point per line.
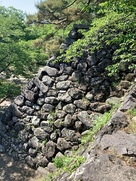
x=43, y=88
x=63, y=85
x=69, y=108
x=48, y=81
x=30, y=95
x=41, y=134
x=62, y=144
x=49, y=149
x=47, y=108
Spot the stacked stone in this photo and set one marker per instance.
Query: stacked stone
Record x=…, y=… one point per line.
x=57, y=106
x=53, y=111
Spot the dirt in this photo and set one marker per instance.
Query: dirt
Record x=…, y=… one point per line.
x=11, y=170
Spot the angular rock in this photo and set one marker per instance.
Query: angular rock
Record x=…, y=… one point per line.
x=65, y=97
x=47, y=108
x=41, y=134
x=75, y=93
x=43, y=88
x=82, y=104
x=58, y=123
x=41, y=161
x=69, y=108
x=68, y=121
x=35, y=121
x=52, y=92
x=52, y=72
x=70, y=135
x=19, y=100
x=29, y=95
x=62, y=144
x=40, y=101
x=89, y=96
x=49, y=149
x=34, y=143
x=63, y=85
x=60, y=114
x=84, y=117
x=121, y=142
x=51, y=100
x=62, y=78
x=31, y=161
x=117, y=121
x=48, y=81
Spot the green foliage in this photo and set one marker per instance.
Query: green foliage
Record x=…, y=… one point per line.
x=113, y=26
x=68, y=163
x=97, y=125
x=9, y=90
x=132, y=112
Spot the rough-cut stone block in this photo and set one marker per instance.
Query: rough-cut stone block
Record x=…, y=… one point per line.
x=43, y=88
x=63, y=85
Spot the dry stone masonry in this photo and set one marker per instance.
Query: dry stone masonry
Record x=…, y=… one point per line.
x=55, y=108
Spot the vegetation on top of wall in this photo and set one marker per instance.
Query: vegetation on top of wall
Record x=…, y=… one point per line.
x=113, y=28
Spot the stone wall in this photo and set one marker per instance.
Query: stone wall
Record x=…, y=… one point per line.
x=55, y=108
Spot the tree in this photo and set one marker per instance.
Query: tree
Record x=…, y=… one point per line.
x=59, y=12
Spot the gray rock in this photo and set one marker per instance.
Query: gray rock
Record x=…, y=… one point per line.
x=27, y=110
x=62, y=144
x=52, y=72
x=32, y=152
x=43, y=88
x=65, y=97
x=47, y=108
x=36, y=107
x=82, y=67
x=121, y=142
x=40, y=133
x=100, y=107
x=34, y=142
x=117, y=121
x=51, y=167
x=40, y=101
x=49, y=149
x=129, y=103
x=52, y=92
x=89, y=96
x=41, y=161
x=58, y=123
x=103, y=168
x=124, y=84
x=2, y=149
x=78, y=125
x=113, y=101
x=48, y=81
x=68, y=121
x=31, y=161
x=53, y=136
x=82, y=104
x=60, y=114
x=19, y=100
x=51, y=100
x=62, y=78
x=70, y=135
x=29, y=95
x=63, y=85
x=84, y=117
x=75, y=93
x=15, y=111
x=76, y=76
x=35, y=121
x=69, y=108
